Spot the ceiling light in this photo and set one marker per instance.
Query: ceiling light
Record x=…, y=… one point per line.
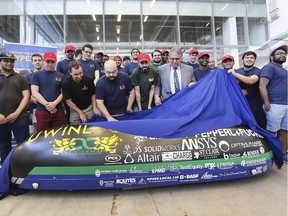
x=119, y=18
x=224, y=7
x=118, y=39
x=207, y=24
x=217, y=28
x=94, y=17
x=98, y=38
x=97, y=28
x=118, y=29
x=145, y=19
x=152, y=3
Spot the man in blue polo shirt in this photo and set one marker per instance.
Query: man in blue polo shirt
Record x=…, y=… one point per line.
x=62, y=66
x=46, y=88
x=89, y=66
x=134, y=63
x=273, y=89
x=112, y=91
x=203, y=69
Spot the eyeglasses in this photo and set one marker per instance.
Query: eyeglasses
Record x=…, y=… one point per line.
x=87, y=52
x=175, y=59
x=8, y=61
x=111, y=72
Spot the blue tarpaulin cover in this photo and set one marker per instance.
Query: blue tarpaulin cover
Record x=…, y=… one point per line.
x=214, y=102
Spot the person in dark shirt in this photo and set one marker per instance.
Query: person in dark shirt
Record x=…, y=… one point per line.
x=89, y=66
x=193, y=55
x=273, y=89
x=46, y=88
x=112, y=91
x=134, y=63
x=203, y=69
x=62, y=66
x=15, y=94
x=79, y=94
x=248, y=78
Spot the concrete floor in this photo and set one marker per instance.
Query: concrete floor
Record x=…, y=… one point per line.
x=264, y=195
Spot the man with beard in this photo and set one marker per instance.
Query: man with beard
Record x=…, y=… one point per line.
x=126, y=60
x=112, y=91
x=79, y=94
x=156, y=58
x=62, y=66
x=165, y=56
x=203, y=69
x=118, y=61
x=99, y=58
x=273, y=89
x=15, y=94
x=144, y=80
x=134, y=63
x=248, y=78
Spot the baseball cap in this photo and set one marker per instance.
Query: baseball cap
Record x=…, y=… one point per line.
x=99, y=53
x=7, y=55
x=69, y=47
x=227, y=57
x=49, y=56
x=283, y=47
x=126, y=58
x=203, y=54
x=193, y=51
x=165, y=51
x=143, y=57
x=117, y=58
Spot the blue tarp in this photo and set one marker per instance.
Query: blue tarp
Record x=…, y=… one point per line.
x=214, y=102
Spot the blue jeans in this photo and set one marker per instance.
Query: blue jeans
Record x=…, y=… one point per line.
x=20, y=129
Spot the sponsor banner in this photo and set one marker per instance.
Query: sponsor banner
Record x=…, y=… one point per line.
x=127, y=180
x=24, y=52
x=157, y=168
x=114, y=147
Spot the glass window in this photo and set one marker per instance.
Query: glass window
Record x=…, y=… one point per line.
x=83, y=29
x=159, y=24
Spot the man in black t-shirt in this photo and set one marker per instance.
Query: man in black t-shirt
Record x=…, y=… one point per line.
x=79, y=94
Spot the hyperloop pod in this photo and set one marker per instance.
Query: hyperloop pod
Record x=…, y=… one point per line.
x=90, y=157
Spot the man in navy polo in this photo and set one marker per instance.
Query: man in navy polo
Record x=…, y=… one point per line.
x=112, y=91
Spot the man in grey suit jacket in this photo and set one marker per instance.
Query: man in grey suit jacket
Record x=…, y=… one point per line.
x=166, y=82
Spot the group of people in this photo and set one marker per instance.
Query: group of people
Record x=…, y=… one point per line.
x=82, y=88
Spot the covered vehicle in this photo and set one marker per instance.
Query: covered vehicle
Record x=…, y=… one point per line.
x=205, y=132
